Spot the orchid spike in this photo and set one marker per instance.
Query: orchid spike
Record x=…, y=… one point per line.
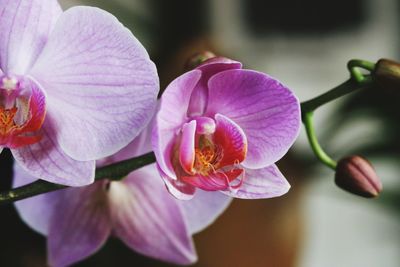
x=222, y=128
x=75, y=86
x=138, y=210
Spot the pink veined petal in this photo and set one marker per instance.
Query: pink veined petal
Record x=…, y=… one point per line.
x=100, y=82
x=139, y=146
x=187, y=146
x=79, y=226
x=219, y=180
x=199, y=97
x=170, y=118
x=46, y=160
x=266, y=182
x=148, y=219
x=204, y=209
x=231, y=138
x=266, y=110
x=35, y=211
x=24, y=28
x=177, y=188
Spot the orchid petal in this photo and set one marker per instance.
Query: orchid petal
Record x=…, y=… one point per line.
x=266, y=110
x=186, y=148
x=231, y=138
x=139, y=146
x=217, y=64
x=24, y=28
x=213, y=181
x=199, y=97
x=101, y=84
x=148, y=219
x=177, y=188
x=175, y=100
x=80, y=224
x=261, y=183
x=46, y=160
x=204, y=209
x=35, y=211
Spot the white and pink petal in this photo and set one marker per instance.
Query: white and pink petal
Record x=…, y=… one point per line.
x=100, y=83
x=148, y=219
x=204, y=209
x=46, y=159
x=36, y=211
x=80, y=224
x=24, y=29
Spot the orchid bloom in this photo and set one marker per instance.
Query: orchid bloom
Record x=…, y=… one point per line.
x=222, y=128
x=74, y=87
x=137, y=209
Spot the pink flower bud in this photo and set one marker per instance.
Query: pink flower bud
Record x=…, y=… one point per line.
x=356, y=175
x=387, y=74
x=198, y=58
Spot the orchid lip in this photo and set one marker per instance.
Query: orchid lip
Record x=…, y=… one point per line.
x=210, y=152
x=22, y=112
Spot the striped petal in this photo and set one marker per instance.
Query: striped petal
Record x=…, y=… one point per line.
x=261, y=183
x=24, y=29
x=148, y=219
x=101, y=84
x=267, y=111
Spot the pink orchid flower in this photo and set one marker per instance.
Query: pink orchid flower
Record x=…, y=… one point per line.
x=138, y=210
x=74, y=87
x=222, y=128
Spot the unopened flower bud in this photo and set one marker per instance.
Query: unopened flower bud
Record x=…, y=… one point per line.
x=356, y=175
x=197, y=59
x=387, y=74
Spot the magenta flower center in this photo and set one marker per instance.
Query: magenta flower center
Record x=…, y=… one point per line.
x=21, y=112
x=209, y=153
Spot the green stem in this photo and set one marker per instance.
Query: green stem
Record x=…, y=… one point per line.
x=340, y=90
x=312, y=138
x=357, y=81
x=113, y=172
x=354, y=66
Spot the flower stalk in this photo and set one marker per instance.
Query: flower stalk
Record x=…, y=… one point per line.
x=315, y=146
x=356, y=82
x=115, y=172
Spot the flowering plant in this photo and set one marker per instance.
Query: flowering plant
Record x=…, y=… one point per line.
x=77, y=90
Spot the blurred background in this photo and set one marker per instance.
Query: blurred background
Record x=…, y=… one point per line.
x=305, y=44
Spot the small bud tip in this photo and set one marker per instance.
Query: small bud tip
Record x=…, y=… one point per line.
x=198, y=58
x=356, y=175
x=387, y=75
